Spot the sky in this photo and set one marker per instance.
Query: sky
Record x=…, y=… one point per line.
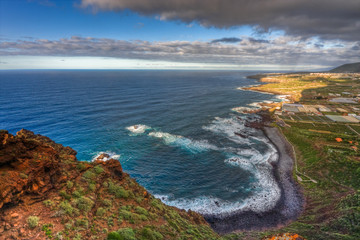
x=271, y=35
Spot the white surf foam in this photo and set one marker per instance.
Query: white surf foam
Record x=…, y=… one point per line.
x=193, y=146
x=229, y=127
x=138, y=128
x=111, y=155
x=265, y=189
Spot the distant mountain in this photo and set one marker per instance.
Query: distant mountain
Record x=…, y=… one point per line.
x=347, y=68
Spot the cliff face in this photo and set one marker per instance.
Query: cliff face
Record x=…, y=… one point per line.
x=45, y=193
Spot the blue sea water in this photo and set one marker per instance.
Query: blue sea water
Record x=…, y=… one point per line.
x=188, y=154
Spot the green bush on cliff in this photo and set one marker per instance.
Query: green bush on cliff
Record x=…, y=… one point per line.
x=122, y=234
x=33, y=221
x=117, y=190
x=100, y=211
x=142, y=211
x=66, y=208
x=48, y=203
x=83, y=222
x=69, y=184
x=89, y=175
x=107, y=202
x=98, y=169
x=148, y=234
x=84, y=203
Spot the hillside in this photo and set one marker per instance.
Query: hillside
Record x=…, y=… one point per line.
x=45, y=193
x=347, y=68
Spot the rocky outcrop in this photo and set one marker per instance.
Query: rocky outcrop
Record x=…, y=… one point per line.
x=30, y=164
x=45, y=193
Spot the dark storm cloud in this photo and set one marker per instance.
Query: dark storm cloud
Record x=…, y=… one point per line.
x=281, y=50
x=328, y=19
x=227, y=40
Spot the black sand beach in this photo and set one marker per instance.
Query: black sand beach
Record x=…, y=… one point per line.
x=287, y=209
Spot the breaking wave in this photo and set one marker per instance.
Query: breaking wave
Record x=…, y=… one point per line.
x=193, y=146
x=106, y=156
x=138, y=129
x=240, y=151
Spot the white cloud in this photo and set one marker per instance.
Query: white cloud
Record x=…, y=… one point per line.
x=283, y=50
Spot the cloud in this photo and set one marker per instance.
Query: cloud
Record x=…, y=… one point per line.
x=227, y=40
x=281, y=50
x=328, y=19
x=258, y=40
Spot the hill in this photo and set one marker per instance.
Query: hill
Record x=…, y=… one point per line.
x=347, y=68
x=45, y=193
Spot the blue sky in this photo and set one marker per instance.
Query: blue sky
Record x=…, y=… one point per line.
x=63, y=19
x=185, y=36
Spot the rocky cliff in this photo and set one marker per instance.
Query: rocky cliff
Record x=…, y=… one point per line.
x=45, y=193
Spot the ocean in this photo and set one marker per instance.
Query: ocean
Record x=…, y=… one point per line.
x=173, y=131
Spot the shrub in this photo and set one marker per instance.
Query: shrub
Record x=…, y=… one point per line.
x=100, y=212
x=156, y=203
x=68, y=226
x=122, y=234
x=149, y=234
x=81, y=166
x=78, y=236
x=98, y=169
x=47, y=229
x=64, y=194
x=88, y=175
x=110, y=221
x=85, y=204
x=142, y=211
x=118, y=191
x=77, y=194
x=125, y=214
x=127, y=233
x=33, y=221
x=69, y=184
x=92, y=187
x=107, y=202
x=82, y=223
x=48, y=203
x=114, y=236
x=66, y=207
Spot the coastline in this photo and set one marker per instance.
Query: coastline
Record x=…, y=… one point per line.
x=288, y=208
x=291, y=203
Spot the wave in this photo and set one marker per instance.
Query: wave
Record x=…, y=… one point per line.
x=138, y=128
x=188, y=144
x=233, y=128
x=265, y=192
x=106, y=156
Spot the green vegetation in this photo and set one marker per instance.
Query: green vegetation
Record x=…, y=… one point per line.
x=66, y=208
x=122, y=234
x=84, y=204
x=100, y=211
x=47, y=229
x=48, y=203
x=98, y=169
x=117, y=190
x=33, y=221
x=69, y=184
